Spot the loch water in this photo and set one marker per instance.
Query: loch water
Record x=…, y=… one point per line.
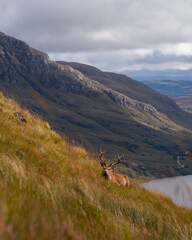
x=179, y=189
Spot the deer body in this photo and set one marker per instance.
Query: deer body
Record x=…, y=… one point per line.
x=107, y=173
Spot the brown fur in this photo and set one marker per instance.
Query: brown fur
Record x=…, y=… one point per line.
x=107, y=173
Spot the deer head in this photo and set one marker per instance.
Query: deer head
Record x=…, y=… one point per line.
x=107, y=173
x=108, y=168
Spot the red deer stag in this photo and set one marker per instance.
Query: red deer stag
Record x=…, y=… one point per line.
x=107, y=173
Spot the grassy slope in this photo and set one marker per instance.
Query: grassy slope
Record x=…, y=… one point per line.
x=53, y=190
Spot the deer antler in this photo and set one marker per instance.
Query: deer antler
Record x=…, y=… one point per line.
x=113, y=165
x=119, y=158
x=102, y=161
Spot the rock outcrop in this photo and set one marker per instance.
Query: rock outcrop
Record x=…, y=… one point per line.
x=123, y=100
x=18, y=61
x=19, y=64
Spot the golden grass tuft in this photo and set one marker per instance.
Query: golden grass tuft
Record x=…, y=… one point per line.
x=51, y=189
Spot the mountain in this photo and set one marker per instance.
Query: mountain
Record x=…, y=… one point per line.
x=51, y=189
x=136, y=90
x=98, y=110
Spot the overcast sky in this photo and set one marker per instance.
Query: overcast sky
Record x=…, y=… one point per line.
x=113, y=35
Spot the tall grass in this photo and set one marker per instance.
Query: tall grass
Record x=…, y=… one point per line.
x=50, y=189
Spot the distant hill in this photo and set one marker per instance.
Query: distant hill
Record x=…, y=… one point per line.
x=158, y=75
x=179, y=90
x=98, y=109
x=172, y=88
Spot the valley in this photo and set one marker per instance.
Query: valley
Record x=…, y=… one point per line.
x=94, y=144
x=185, y=103
x=179, y=90
x=172, y=88
x=98, y=110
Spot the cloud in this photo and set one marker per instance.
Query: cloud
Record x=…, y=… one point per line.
x=129, y=60
x=111, y=34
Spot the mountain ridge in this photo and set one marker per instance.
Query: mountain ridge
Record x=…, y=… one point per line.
x=136, y=90
x=39, y=62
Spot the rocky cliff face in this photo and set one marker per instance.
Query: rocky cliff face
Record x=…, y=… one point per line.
x=18, y=59
x=19, y=63
x=123, y=100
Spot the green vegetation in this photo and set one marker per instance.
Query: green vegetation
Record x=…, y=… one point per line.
x=53, y=190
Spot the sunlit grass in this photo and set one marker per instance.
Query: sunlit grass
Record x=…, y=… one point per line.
x=51, y=189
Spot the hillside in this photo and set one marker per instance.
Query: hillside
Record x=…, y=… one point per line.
x=51, y=189
x=97, y=109
x=141, y=92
